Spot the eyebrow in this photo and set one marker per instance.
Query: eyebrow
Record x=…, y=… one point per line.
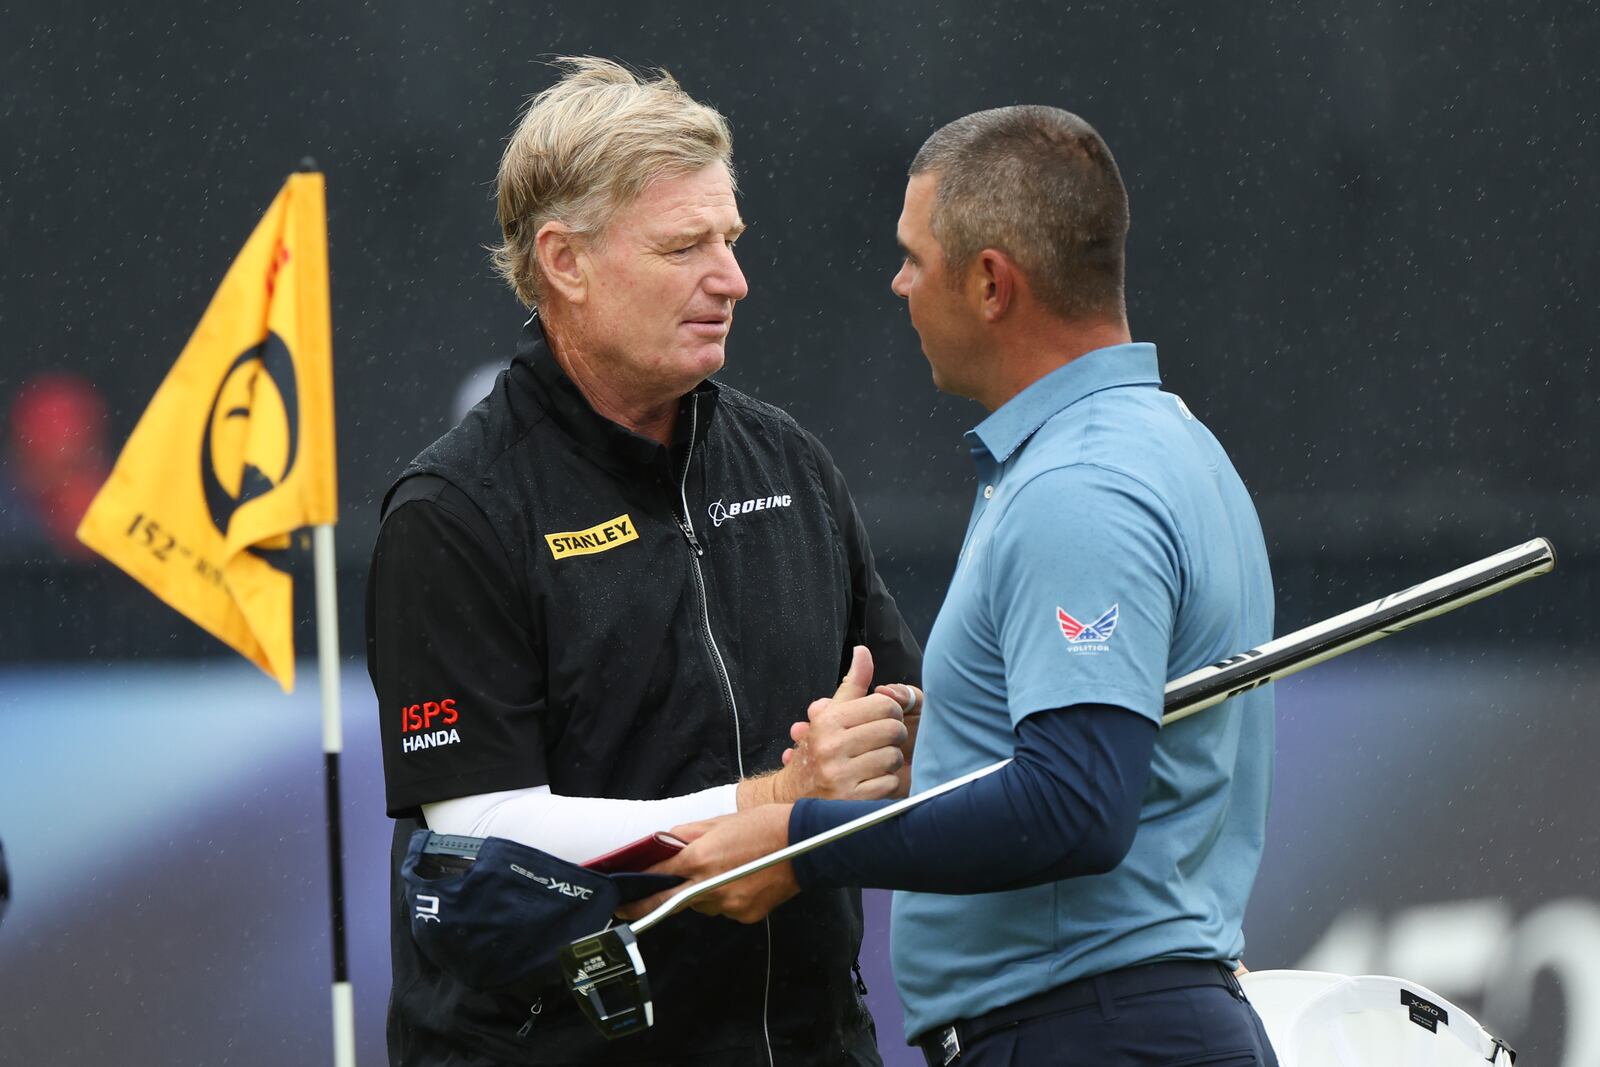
x=683, y=237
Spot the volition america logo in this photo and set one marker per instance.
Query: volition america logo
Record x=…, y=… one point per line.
x=1088, y=637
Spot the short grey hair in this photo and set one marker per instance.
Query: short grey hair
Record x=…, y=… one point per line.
x=586, y=147
x=1038, y=184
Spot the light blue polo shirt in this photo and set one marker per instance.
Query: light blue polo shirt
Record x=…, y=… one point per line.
x=1112, y=548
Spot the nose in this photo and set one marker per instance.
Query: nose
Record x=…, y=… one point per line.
x=726, y=279
x=900, y=285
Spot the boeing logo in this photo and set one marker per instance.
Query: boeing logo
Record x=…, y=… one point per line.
x=721, y=513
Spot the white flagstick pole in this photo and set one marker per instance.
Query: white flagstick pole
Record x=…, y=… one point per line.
x=344, y=1028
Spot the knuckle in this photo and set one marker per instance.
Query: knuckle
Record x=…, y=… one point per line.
x=890, y=735
x=882, y=709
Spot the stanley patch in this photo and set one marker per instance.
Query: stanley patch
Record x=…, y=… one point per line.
x=601, y=538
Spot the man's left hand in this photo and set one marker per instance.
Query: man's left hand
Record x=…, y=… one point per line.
x=721, y=844
x=910, y=699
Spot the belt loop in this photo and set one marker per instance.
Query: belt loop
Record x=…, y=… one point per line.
x=1102, y=992
x=1232, y=981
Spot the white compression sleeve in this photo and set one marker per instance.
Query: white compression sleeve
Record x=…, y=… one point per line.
x=574, y=828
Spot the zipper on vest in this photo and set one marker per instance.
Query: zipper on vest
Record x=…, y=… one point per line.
x=700, y=587
x=688, y=535
x=533, y=1015
x=687, y=525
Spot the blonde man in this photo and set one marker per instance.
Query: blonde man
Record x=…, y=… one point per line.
x=598, y=604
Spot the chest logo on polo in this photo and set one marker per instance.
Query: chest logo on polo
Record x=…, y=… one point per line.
x=1088, y=637
x=721, y=513
x=601, y=538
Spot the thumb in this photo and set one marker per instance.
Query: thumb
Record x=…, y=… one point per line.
x=858, y=679
x=692, y=831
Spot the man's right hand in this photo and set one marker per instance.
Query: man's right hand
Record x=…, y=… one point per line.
x=850, y=747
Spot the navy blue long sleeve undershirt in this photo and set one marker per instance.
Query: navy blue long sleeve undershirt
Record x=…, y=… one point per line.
x=1067, y=805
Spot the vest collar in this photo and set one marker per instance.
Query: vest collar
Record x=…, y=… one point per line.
x=561, y=399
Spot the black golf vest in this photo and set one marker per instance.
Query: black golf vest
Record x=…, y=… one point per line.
x=687, y=604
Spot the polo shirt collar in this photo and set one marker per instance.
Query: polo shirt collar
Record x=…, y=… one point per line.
x=1009, y=426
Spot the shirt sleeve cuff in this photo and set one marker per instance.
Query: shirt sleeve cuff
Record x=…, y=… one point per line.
x=810, y=817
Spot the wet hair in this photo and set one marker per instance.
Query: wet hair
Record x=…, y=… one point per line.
x=1038, y=184
x=586, y=147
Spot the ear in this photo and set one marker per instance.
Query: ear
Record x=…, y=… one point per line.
x=561, y=262
x=995, y=279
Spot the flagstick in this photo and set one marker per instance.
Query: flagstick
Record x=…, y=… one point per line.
x=344, y=1028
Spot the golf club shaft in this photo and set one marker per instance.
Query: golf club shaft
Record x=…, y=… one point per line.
x=761, y=863
x=1323, y=640
x=1213, y=684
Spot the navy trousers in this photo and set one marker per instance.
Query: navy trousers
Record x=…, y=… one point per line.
x=1196, y=1026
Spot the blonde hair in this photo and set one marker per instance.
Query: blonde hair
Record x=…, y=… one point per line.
x=586, y=147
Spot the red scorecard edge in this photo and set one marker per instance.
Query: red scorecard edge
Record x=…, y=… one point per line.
x=637, y=855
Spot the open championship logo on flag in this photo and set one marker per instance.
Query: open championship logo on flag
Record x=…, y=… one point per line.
x=236, y=449
x=1088, y=637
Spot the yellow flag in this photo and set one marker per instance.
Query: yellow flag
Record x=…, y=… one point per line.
x=235, y=450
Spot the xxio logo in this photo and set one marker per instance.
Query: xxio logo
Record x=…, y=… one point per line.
x=556, y=885
x=415, y=719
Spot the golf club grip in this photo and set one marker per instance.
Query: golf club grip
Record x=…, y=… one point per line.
x=1212, y=685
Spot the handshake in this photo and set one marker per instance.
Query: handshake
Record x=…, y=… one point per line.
x=855, y=745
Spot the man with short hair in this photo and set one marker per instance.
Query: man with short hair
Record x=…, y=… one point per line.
x=1083, y=904
x=599, y=603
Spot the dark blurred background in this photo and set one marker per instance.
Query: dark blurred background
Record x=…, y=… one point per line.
x=1363, y=241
